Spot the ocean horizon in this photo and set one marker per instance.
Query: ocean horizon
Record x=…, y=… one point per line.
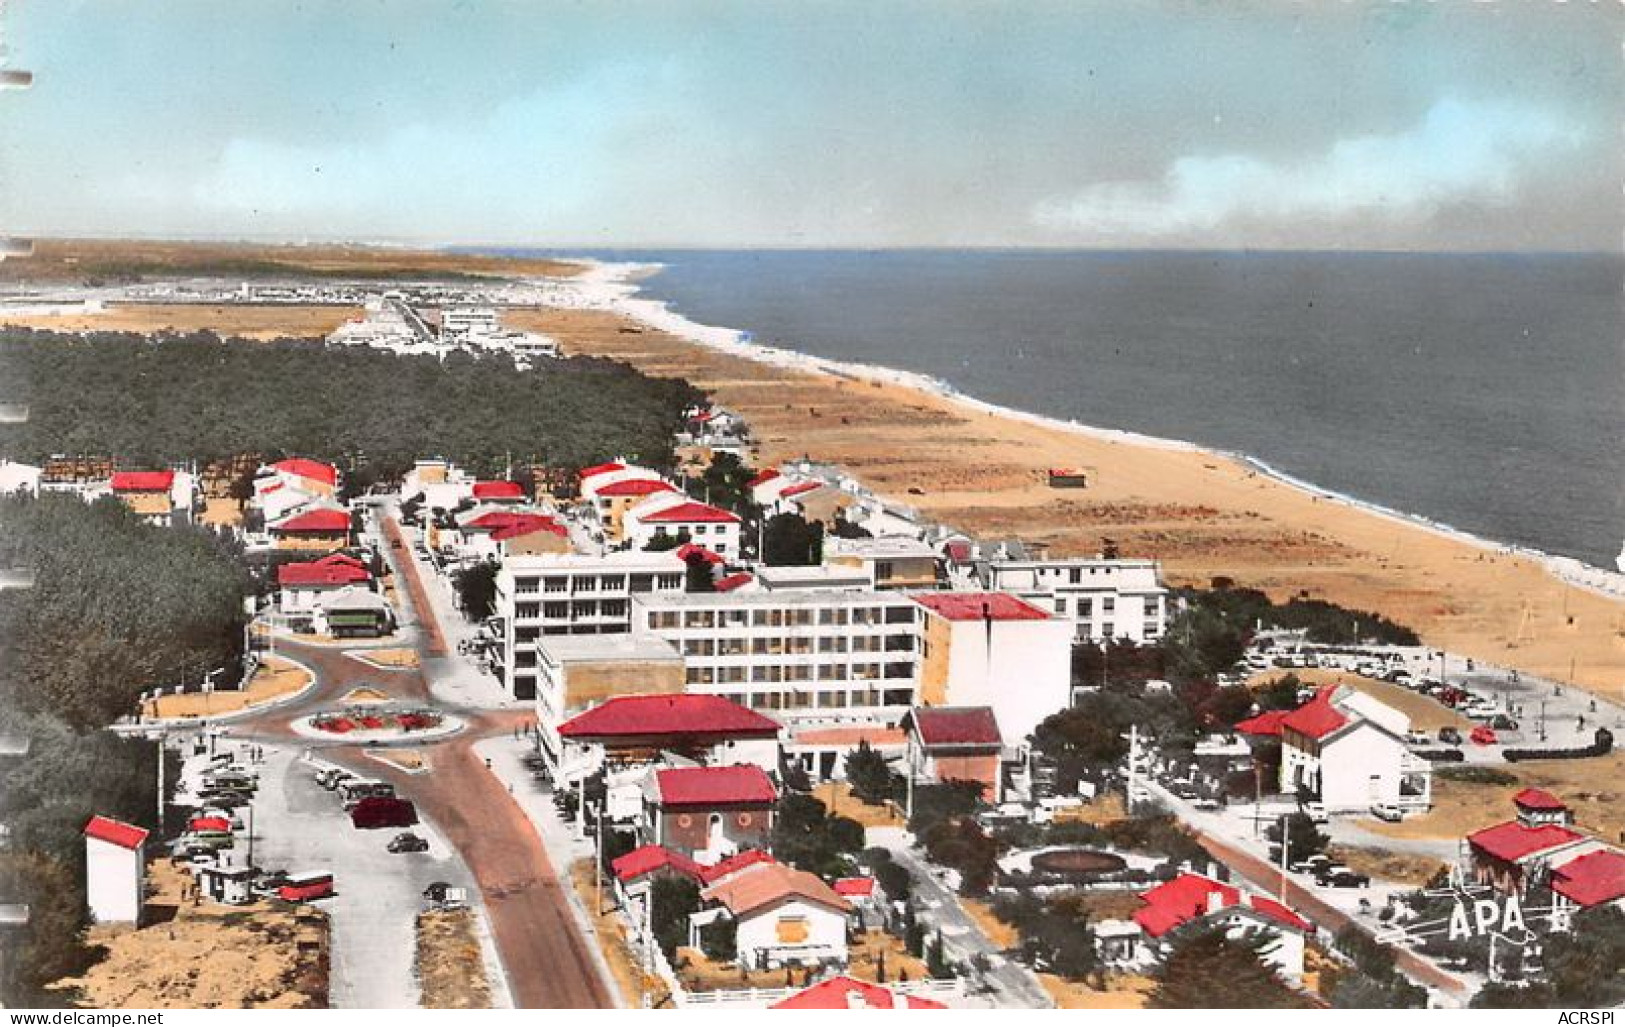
x=1482, y=391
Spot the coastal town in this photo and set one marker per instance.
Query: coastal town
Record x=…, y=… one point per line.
x=711, y=699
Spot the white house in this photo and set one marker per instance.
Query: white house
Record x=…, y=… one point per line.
x=995, y=650
x=1191, y=899
x=301, y=586
x=1105, y=599
x=438, y=484
x=1348, y=749
x=115, y=870
x=782, y=917
x=674, y=515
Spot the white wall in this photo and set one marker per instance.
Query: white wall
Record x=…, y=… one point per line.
x=758, y=936
x=1026, y=677
x=114, y=882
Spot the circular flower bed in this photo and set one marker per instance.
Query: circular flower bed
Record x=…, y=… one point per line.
x=376, y=720
x=1077, y=861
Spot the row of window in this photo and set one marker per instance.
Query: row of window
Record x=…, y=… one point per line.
x=565, y=583
x=797, y=617
x=797, y=645
x=834, y=699
x=777, y=673
x=579, y=608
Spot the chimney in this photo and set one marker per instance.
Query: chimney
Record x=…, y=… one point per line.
x=855, y=999
x=898, y=999
x=1215, y=901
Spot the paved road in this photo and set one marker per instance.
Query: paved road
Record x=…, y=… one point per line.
x=1017, y=986
x=547, y=960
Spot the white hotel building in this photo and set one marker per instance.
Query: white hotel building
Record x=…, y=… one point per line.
x=833, y=657
x=571, y=594
x=1104, y=599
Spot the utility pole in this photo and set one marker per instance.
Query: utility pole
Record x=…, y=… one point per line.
x=1281, y=895
x=908, y=757
x=598, y=864
x=162, y=737
x=1133, y=768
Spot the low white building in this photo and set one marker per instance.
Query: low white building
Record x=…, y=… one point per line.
x=781, y=916
x=115, y=870
x=1348, y=750
x=1194, y=900
x=673, y=516
x=19, y=479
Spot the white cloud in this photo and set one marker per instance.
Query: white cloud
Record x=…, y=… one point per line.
x=1460, y=153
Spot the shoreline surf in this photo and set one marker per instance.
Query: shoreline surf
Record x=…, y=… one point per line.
x=615, y=286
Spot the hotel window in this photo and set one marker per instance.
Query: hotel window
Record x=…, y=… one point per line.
x=798, y=672
x=899, y=670
x=1085, y=608
x=554, y=611
x=1108, y=631
x=831, y=672
x=612, y=608
x=586, y=584
x=613, y=582
x=671, y=581
x=525, y=586
x=730, y=675
x=699, y=619
x=1076, y=575
x=525, y=611
x=798, y=646
x=720, y=547
x=1150, y=630
x=900, y=615
x=641, y=583
x=731, y=647
x=556, y=584
x=735, y=618
x=1060, y=604
x=883, y=570
x=828, y=616
x=1108, y=604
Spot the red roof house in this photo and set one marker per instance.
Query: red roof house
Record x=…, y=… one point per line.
x=1192, y=897
x=1265, y=725
x=116, y=832
x=1513, y=842
x=1594, y=879
x=143, y=481
x=855, y=887
x=1539, y=799
x=314, y=470
x=334, y=571
x=956, y=727
x=323, y=521
x=644, y=716
x=844, y=992
x=689, y=513
x=762, y=477
x=744, y=784
x=968, y=606
x=635, y=487
x=648, y=859
x=597, y=469
x=498, y=490
x=1316, y=718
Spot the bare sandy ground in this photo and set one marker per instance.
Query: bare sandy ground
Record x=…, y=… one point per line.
x=248, y=322
x=1201, y=514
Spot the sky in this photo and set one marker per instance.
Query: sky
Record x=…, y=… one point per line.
x=955, y=123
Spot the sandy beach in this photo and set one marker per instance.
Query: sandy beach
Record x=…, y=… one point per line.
x=1202, y=514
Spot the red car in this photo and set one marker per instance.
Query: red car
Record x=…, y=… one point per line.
x=382, y=811
x=1483, y=734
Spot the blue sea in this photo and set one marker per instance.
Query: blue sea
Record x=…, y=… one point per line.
x=1486, y=392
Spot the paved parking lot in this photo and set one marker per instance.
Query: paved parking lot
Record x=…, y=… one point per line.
x=300, y=826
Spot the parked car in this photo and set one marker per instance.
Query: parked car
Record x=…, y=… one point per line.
x=1418, y=738
x=1343, y=877
x=1483, y=734
x=1317, y=812
x=1502, y=722
x=1207, y=804
x=1388, y=811
x=406, y=841
x=1450, y=736
x=380, y=811
x=1309, y=864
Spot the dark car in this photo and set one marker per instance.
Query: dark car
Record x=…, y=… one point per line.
x=1346, y=879
x=408, y=842
x=382, y=811
x=437, y=891
x=1502, y=722
x=1450, y=736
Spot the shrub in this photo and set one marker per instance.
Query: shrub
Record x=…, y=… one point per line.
x=1477, y=775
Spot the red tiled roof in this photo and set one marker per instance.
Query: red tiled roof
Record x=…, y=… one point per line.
x=733, y=864
x=1267, y=723
x=689, y=549
x=732, y=581
x=649, y=858
x=953, y=726
x=588, y=472
x=529, y=526
x=850, y=993
x=796, y=490
x=855, y=886
x=762, y=477
x=1536, y=798
x=715, y=786
x=126, y=836
x=636, y=487
x=689, y=513
x=962, y=606
x=959, y=552
x=767, y=884
x=1185, y=898
x=631, y=716
x=209, y=824
x=316, y=520
x=1592, y=879
x=1513, y=841
x=312, y=469
x=498, y=490
x=1316, y=718
x=321, y=572
x=143, y=481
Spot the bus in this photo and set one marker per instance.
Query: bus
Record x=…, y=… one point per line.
x=304, y=887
